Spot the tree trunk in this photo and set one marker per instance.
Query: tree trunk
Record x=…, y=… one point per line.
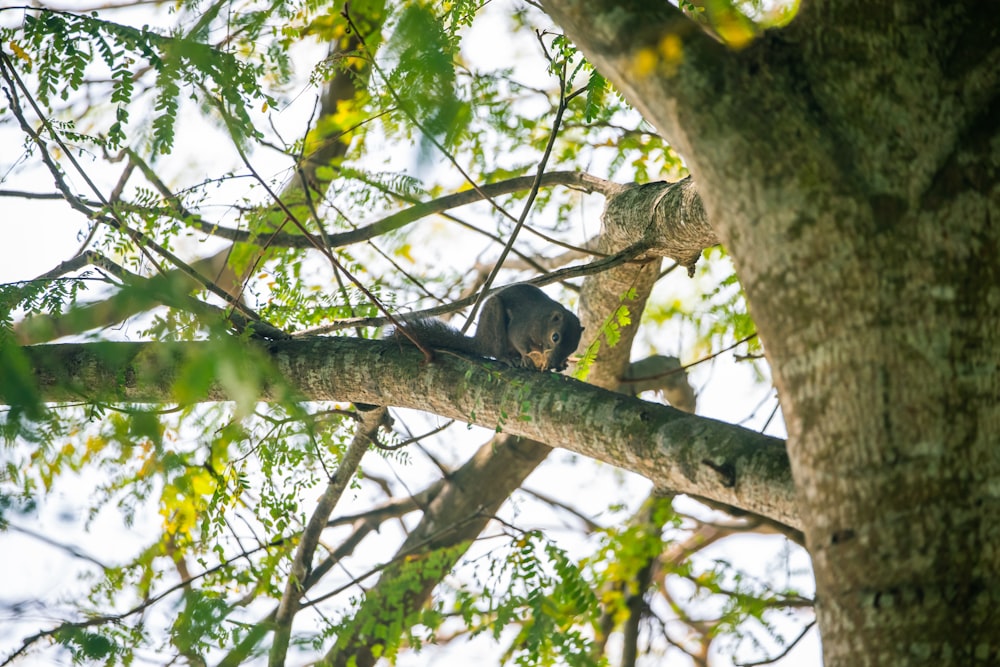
x=850, y=163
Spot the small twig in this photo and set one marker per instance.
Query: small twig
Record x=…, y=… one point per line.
x=564, y=100
x=22, y=194
x=788, y=649
x=792, y=533
x=684, y=369
x=598, y=266
x=68, y=548
x=416, y=438
x=591, y=525
x=777, y=406
x=141, y=240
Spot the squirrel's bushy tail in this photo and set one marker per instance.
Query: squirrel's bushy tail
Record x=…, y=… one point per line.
x=435, y=333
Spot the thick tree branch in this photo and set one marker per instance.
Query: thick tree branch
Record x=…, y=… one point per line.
x=418, y=211
x=669, y=218
x=678, y=452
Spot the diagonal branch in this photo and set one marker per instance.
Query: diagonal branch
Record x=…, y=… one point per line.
x=309, y=539
x=484, y=483
x=627, y=256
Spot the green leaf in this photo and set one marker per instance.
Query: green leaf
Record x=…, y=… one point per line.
x=597, y=88
x=424, y=74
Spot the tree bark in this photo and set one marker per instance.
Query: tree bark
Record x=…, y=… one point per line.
x=849, y=163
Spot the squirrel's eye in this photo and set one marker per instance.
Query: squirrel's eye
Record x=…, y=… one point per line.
x=555, y=336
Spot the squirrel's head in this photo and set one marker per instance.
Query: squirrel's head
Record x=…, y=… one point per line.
x=562, y=336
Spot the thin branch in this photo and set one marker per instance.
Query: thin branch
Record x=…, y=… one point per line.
x=416, y=438
x=788, y=649
x=309, y=539
x=141, y=240
x=68, y=548
x=764, y=524
x=591, y=526
x=598, y=266
x=684, y=369
x=23, y=194
x=545, y=264
x=581, y=180
x=564, y=100
x=394, y=508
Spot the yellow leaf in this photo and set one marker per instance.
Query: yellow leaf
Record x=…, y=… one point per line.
x=735, y=30
x=19, y=52
x=95, y=444
x=405, y=251
x=671, y=49
x=202, y=483
x=644, y=63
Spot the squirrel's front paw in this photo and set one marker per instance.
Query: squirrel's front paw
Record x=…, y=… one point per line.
x=535, y=360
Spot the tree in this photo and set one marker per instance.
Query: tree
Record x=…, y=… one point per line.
x=842, y=224
x=848, y=163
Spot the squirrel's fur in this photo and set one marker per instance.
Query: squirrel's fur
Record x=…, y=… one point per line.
x=519, y=325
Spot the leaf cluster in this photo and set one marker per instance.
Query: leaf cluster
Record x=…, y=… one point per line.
x=62, y=48
x=537, y=589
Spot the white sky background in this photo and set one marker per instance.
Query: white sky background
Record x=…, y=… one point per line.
x=36, y=235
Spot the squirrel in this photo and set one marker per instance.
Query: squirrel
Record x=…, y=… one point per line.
x=519, y=325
